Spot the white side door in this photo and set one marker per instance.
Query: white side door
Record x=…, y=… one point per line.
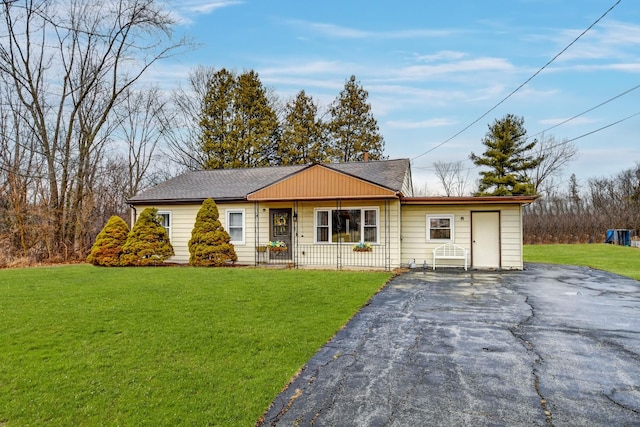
x=485, y=239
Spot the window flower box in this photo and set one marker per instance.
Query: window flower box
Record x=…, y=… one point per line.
x=277, y=246
x=362, y=247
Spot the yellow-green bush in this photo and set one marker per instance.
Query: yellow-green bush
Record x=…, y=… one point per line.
x=148, y=242
x=210, y=244
x=107, y=248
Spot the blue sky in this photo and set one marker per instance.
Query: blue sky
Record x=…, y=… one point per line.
x=433, y=68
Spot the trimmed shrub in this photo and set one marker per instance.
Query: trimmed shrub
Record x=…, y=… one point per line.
x=148, y=242
x=107, y=248
x=209, y=245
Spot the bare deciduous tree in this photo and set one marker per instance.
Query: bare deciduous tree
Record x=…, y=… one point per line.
x=555, y=156
x=185, y=132
x=69, y=64
x=452, y=177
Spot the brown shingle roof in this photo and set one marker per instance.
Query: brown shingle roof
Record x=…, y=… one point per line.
x=236, y=184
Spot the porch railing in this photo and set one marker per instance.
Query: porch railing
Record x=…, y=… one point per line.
x=332, y=256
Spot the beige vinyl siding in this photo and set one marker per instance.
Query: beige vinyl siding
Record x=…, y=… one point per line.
x=511, y=237
x=183, y=218
x=246, y=251
x=414, y=232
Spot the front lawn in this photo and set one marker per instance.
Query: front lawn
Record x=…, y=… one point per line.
x=84, y=345
x=623, y=260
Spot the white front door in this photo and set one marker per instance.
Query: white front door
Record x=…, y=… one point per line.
x=485, y=239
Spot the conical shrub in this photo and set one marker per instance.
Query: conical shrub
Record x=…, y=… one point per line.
x=209, y=245
x=148, y=242
x=107, y=248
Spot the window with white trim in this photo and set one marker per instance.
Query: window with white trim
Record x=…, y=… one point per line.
x=235, y=225
x=165, y=220
x=347, y=225
x=440, y=227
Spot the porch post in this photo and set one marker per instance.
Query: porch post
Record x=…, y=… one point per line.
x=256, y=231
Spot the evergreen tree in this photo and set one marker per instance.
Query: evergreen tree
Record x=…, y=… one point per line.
x=303, y=136
x=216, y=121
x=353, y=129
x=509, y=156
x=209, y=245
x=107, y=248
x=239, y=125
x=148, y=242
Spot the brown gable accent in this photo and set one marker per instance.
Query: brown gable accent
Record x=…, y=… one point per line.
x=318, y=182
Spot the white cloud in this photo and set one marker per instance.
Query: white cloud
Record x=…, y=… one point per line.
x=184, y=11
x=307, y=68
x=337, y=31
x=443, y=55
x=208, y=7
x=421, y=124
x=608, y=41
x=421, y=72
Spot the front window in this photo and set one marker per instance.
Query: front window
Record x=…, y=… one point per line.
x=440, y=227
x=235, y=225
x=347, y=225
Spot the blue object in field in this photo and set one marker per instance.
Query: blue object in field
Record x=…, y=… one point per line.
x=619, y=237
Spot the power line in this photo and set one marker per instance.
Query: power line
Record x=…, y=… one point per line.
x=586, y=111
x=566, y=141
x=522, y=85
x=598, y=130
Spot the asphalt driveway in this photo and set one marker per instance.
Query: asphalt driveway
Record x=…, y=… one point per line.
x=548, y=346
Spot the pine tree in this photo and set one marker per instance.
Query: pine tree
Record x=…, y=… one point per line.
x=353, y=129
x=303, y=135
x=239, y=125
x=107, y=248
x=209, y=245
x=509, y=156
x=256, y=123
x=148, y=242
x=216, y=121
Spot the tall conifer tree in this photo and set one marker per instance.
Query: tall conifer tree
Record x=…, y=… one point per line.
x=216, y=121
x=303, y=134
x=239, y=125
x=508, y=156
x=353, y=129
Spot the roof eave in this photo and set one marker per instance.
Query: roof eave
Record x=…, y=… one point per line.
x=191, y=201
x=466, y=200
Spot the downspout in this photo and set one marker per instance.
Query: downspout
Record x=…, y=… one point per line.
x=135, y=215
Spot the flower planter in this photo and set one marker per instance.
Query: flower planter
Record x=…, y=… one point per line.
x=261, y=249
x=277, y=248
x=363, y=250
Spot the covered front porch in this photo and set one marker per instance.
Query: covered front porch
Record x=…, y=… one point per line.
x=316, y=234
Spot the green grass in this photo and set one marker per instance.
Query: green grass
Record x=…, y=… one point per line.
x=623, y=260
x=83, y=345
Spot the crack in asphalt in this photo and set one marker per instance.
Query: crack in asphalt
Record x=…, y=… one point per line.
x=619, y=404
x=537, y=361
x=402, y=349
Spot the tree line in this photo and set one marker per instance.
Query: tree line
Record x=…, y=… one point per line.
x=583, y=213
x=239, y=123
x=81, y=131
